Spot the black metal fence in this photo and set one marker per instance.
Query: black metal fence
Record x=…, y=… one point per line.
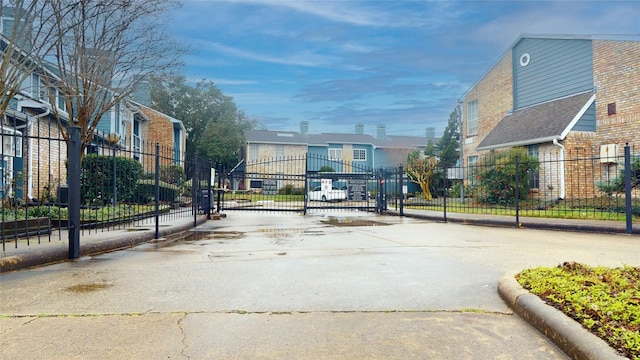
x=46, y=182
x=300, y=183
x=552, y=183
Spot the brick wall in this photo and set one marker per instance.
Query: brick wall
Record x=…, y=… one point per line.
x=616, y=66
x=494, y=93
x=44, y=159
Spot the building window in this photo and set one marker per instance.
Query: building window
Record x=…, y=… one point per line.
x=611, y=108
x=279, y=151
x=534, y=175
x=472, y=163
x=61, y=103
x=472, y=118
x=253, y=152
x=360, y=154
x=335, y=154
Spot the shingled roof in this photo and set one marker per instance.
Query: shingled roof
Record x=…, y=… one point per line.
x=324, y=139
x=538, y=123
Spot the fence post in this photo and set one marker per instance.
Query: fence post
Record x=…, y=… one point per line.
x=221, y=189
x=156, y=211
x=401, y=190
x=195, y=184
x=517, y=191
x=209, y=191
x=627, y=188
x=74, y=151
x=306, y=183
x=444, y=193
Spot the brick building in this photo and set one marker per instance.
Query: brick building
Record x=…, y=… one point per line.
x=560, y=97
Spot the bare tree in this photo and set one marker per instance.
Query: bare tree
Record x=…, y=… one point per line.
x=25, y=39
x=103, y=49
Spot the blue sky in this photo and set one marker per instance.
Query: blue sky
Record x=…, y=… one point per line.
x=337, y=63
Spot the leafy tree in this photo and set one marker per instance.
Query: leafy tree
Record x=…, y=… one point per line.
x=496, y=176
x=420, y=169
x=214, y=123
x=448, y=146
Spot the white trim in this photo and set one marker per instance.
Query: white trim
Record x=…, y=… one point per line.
x=525, y=59
x=577, y=117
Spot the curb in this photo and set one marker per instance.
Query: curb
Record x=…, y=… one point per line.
x=574, y=340
x=549, y=225
x=51, y=256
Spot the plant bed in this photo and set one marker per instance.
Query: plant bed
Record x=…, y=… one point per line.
x=603, y=300
x=25, y=227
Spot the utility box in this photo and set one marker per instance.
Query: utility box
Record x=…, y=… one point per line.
x=609, y=153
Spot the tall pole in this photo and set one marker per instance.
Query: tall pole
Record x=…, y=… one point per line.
x=75, y=148
x=115, y=178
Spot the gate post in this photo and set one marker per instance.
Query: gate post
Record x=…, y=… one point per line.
x=401, y=190
x=157, y=192
x=306, y=183
x=195, y=184
x=74, y=151
x=209, y=192
x=627, y=188
x=444, y=192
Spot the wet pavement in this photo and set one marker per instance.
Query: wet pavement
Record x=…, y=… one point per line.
x=328, y=285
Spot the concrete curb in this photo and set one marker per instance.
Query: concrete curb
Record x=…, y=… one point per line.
x=596, y=227
x=577, y=342
x=60, y=254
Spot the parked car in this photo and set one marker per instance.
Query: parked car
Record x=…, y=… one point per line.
x=335, y=194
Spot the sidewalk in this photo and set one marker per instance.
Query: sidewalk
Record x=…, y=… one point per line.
x=91, y=242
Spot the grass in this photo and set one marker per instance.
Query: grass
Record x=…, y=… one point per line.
x=599, y=208
x=606, y=301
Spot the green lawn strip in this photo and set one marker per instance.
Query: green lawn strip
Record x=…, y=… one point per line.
x=605, y=301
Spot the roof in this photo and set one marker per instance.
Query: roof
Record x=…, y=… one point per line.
x=538, y=123
x=325, y=139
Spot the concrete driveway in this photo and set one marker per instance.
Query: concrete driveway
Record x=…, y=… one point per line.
x=328, y=285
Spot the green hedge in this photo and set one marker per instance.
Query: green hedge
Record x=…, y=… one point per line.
x=145, y=191
x=96, y=179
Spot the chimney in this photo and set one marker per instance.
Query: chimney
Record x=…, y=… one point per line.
x=359, y=129
x=382, y=132
x=431, y=133
x=304, y=127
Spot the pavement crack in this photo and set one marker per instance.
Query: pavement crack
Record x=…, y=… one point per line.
x=184, y=336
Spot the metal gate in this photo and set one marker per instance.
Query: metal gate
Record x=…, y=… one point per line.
x=301, y=183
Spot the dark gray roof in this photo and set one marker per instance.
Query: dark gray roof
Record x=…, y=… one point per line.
x=538, y=123
x=324, y=139
x=275, y=137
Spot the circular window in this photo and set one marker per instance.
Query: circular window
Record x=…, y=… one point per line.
x=524, y=59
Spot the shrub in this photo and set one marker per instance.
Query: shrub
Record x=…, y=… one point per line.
x=496, y=177
x=145, y=191
x=290, y=190
x=617, y=184
x=96, y=179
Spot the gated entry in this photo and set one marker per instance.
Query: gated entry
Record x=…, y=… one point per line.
x=300, y=184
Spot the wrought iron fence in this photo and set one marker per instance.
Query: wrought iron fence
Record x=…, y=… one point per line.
x=119, y=185
x=299, y=183
x=552, y=183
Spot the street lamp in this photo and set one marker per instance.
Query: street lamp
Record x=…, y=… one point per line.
x=113, y=139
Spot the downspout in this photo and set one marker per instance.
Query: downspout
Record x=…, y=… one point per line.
x=30, y=177
x=562, y=190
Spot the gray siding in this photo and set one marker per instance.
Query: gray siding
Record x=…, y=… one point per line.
x=104, y=124
x=588, y=121
x=557, y=68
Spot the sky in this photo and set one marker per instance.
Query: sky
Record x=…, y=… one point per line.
x=338, y=63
